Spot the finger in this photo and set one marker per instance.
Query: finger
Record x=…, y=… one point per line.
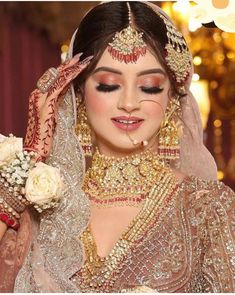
x=75, y=64
x=73, y=71
x=67, y=76
x=70, y=62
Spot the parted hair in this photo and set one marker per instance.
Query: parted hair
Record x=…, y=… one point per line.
x=100, y=24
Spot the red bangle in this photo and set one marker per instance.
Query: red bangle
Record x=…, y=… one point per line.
x=13, y=223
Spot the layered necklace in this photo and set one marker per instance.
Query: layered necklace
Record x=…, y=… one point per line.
x=121, y=181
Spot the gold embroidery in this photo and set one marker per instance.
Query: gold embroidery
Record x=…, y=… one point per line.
x=187, y=245
x=96, y=272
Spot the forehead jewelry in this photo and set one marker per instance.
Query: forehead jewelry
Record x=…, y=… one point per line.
x=178, y=57
x=128, y=44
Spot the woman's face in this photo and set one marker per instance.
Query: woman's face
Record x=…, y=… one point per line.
x=125, y=103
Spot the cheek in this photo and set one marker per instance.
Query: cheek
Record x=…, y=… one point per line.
x=156, y=108
x=153, y=111
x=94, y=102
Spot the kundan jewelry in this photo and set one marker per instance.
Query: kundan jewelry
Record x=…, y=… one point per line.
x=84, y=132
x=121, y=181
x=178, y=57
x=168, y=146
x=128, y=44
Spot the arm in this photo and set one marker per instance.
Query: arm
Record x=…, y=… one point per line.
x=43, y=107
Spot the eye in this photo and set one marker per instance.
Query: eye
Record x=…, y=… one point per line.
x=151, y=90
x=106, y=88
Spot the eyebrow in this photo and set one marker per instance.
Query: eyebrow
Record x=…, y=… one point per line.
x=146, y=72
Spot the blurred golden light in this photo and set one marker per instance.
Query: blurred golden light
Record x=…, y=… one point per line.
x=231, y=55
x=217, y=38
x=214, y=84
x=220, y=174
x=195, y=77
x=182, y=7
x=166, y=6
x=197, y=60
x=219, y=58
x=200, y=91
x=217, y=123
x=64, y=48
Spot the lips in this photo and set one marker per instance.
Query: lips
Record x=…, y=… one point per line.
x=127, y=123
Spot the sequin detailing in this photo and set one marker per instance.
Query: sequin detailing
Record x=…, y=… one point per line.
x=97, y=270
x=188, y=247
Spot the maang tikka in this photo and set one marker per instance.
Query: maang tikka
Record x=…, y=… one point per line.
x=128, y=44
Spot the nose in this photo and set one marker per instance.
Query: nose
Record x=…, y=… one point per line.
x=128, y=101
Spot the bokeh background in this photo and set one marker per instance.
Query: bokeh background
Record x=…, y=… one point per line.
x=34, y=35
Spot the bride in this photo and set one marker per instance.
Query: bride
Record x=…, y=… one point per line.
x=141, y=210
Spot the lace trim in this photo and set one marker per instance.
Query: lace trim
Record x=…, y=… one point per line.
x=59, y=246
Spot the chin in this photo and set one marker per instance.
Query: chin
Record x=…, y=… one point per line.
x=118, y=147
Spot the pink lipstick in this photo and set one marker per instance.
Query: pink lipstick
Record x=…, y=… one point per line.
x=127, y=123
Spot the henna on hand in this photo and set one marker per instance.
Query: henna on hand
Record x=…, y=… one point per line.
x=43, y=107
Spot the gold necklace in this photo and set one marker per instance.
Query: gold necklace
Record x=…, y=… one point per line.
x=121, y=181
x=97, y=273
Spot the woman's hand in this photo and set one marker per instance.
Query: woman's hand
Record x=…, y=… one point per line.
x=43, y=106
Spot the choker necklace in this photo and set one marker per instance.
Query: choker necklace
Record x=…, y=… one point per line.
x=122, y=181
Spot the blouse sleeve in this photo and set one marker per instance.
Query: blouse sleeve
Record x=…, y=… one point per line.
x=219, y=257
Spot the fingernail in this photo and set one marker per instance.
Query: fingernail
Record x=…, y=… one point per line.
x=77, y=56
x=86, y=60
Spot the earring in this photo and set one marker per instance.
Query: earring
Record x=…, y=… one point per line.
x=169, y=143
x=84, y=132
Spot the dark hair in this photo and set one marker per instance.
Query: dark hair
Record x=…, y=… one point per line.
x=101, y=23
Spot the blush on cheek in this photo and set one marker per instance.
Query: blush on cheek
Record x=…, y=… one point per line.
x=93, y=102
x=153, y=110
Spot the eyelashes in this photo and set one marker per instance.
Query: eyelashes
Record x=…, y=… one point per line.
x=109, y=88
x=151, y=90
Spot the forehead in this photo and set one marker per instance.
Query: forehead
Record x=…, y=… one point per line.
x=148, y=61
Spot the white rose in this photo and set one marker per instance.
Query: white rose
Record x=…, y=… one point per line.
x=9, y=146
x=43, y=185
